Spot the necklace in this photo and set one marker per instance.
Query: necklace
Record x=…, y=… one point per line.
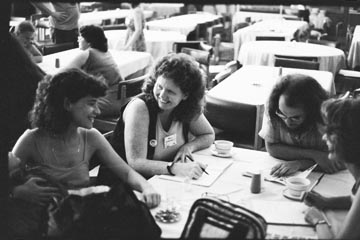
x=59, y=146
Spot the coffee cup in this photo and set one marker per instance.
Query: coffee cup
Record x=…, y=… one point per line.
x=223, y=146
x=297, y=185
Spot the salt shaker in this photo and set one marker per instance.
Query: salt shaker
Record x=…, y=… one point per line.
x=255, y=183
x=280, y=71
x=57, y=63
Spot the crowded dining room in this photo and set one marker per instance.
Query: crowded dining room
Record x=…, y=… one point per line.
x=180, y=120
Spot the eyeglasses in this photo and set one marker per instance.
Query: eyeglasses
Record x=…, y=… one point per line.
x=292, y=119
x=351, y=94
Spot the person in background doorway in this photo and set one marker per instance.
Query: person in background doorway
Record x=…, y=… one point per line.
x=135, y=23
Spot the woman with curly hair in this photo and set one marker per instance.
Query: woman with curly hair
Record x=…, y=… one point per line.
x=95, y=59
x=62, y=142
x=342, y=135
x=152, y=133
x=292, y=126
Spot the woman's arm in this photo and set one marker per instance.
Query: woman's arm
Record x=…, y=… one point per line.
x=136, y=118
x=204, y=137
x=79, y=60
x=35, y=54
x=138, y=28
x=113, y=161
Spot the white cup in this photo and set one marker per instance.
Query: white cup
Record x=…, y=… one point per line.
x=223, y=146
x=297, y=185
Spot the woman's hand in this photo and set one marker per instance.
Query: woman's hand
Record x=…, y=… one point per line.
x=330, y=166
x=315, y=199
x=286, y=168
x=151, y=197
x=32, y=191
x=193, y=170
x=182, y=153
x=313, y=216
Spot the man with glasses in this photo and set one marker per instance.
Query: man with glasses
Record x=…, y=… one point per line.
x=292, y=126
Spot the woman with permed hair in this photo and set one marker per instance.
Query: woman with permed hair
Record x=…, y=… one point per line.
x=63, y=141
x=292, y=126
x=159, y=130
x=97, y=60
x=342, y=135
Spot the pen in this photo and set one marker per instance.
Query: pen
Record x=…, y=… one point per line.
x=325, y=218
x=190, y=158
x=312, y=186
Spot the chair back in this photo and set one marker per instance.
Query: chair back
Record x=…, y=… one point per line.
x=129, y=88
x=177, y=46
x=216, y=30
x=240, y=25
x=201, y=56
x=269, y=38
x=217, y=219
x=296, y=63
x=328, y=43
x=346, y=80
x=57, y=47
x=229, y=69
x=314, y=59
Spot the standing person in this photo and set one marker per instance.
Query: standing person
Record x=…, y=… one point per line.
x=292, y=126
x=97, y=60
x=64, y=17
x=342, y=135
x=62, y=143
x=135, y=23
x=159, y=130
x=25, y=33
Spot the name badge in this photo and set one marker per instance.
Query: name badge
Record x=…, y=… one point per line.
x=170, y=141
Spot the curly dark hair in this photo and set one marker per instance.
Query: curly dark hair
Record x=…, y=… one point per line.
x=185, y=73
x=299, y=90
x=342, y=118
x=95, y=36
x=48, y=111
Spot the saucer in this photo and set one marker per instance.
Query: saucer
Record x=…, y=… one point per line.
x=223, y=155
x=288, y=195
x=167, y=216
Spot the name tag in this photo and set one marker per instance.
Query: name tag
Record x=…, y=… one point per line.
x=170, y=141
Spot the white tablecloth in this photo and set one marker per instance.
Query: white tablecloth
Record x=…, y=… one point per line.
x=158, y=43
x=163, y=9
x=262, y=53
x=129, y=62
x=272, y=27
x=241, y=16
x=183, y=24
x=354, y=51
x=96, y=17
x=235, y=187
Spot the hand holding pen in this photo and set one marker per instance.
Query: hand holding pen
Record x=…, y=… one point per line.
x=192, y=160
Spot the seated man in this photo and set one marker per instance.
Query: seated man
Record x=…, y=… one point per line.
x=25, y=33
x=292, y=126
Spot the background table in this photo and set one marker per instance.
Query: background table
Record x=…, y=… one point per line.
x=163, y=9
x=183, y=24
x=270, y=27
x=251, y=85
x=237, y=189
x=354, y=51
x=129, y=62
x=262, y=53
x=158, y=43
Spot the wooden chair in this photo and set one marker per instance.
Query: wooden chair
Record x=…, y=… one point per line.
x=41, y=26
x=296, y=63
x=334, y=44
x=201, y=45
x=56, y=47
x=114, y=27
x=229, y=69
x=346, y=80
x=126, y=91
x=222, y=50
x=269, y=38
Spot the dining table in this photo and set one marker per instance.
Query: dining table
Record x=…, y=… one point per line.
x=283, y=213
x=263, y=53
x=183, y=24
x=269, y=27
x=129, y=62
x=158, y=43
x=353, y=58
x=163, y=9
x=252, y=84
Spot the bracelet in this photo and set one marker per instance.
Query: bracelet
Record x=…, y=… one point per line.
x=320, y=222
x=168, y=167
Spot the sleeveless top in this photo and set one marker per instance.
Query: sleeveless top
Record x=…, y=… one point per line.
x=71, y=167
x=139, y=45
x=355, y=189
x=102, y=63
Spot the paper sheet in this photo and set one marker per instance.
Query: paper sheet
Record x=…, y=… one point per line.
x=215, y=168
x=280, y=212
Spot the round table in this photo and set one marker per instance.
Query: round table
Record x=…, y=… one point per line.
x=263, y=53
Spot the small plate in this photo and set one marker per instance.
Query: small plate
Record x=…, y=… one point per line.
x=288, y=195
x=223, y=155
x=167, y=216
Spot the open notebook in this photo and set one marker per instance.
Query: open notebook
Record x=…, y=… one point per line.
x=216, y=167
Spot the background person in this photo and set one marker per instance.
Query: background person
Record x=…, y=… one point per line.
x=153, y=132
x=97, y=60
x=292, y=126
x=135, y=23
x=61, y=145
x=342, y=135
x=25, y=33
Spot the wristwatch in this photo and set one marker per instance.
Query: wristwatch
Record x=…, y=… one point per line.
x=322, y=221
x=168, y=167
